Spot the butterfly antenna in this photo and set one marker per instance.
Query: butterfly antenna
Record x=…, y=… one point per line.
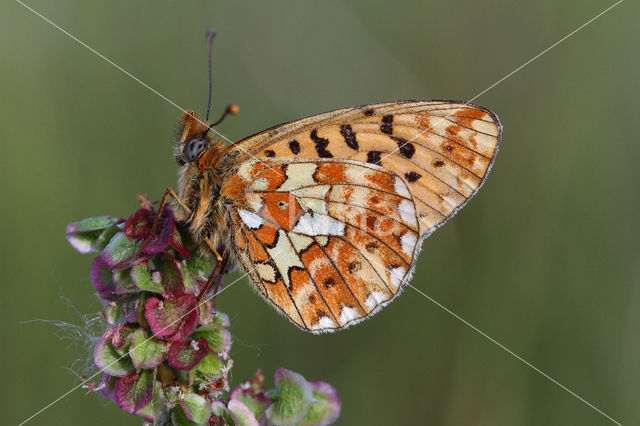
x=231, y=109
x=210, y=35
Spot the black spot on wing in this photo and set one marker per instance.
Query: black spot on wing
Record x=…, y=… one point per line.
x=412, y=176
x=321, y=144
x=387, y=126
x=406, y=148
x=270, y=153
x=294, y=146
x=368, y=112
x=438, y=163
x=349, y=136
x=374, y=157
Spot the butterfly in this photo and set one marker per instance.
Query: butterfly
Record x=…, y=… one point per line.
x=327, y=214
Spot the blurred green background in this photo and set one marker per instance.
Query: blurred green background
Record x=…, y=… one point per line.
x=545, y=259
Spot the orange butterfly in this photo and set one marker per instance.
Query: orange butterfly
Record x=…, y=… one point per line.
x=327, y=214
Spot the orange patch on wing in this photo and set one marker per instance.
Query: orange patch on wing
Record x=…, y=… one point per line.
x=273, y=175
x=234, y=187
x=267, y=233
x=256, y=251
x=281, y=208
x=355, y=269
x=452, y=130
x=467, y=115
x=238, y=238
x=381, y=180
x=423, y=120
x=328, y=280
x=387, y=242
x=458, y=154
x=309, y=302
x=330, y=173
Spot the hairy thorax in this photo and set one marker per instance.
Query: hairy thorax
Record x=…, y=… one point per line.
x=209, y=194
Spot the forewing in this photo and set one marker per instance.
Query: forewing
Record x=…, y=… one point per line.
x=442, y=150
x=327, y=241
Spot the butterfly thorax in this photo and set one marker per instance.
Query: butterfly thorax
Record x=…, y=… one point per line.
x=200, y=181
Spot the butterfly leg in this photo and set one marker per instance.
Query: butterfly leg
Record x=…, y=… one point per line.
x=212, y=277
x=219, y=260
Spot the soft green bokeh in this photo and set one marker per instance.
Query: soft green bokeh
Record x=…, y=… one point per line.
x=544, y=260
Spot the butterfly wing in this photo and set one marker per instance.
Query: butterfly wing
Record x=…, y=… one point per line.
x=442, y=150
x=327, y=241
x=334, y=207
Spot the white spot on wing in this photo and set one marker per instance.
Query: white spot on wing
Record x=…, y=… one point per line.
x=408, y=242
x=250, y=219
x=324, y=323
x=254, y=201
x=300, y=242
x=260, y=184
x=407, y=212
x=347, y=314
x=318, y=224
x=318, y=206
x=323, y=241
x=284, y=256
x=245, y=170
x=374, y=299
x=298, y=174
x=317, y=191
x=266, y=272
x=396, y=275
x=401, y=189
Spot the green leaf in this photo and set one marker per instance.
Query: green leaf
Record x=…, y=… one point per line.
x=146, y=352
x=123, y=282
x=179, y=418
x=291, y=399
x=218, y=337
x=135, y=391
x=106, y=236
x=155, y=411
x=196, y=408
x=119, y=249
x=189, y=280
x=83, y=235
x=143, y=279
x=208, y=370
x=242, y=415
x=107, y=358
x=326, y=405
x=200, y=266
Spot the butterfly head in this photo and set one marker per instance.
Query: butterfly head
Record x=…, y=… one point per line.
x=193, y=139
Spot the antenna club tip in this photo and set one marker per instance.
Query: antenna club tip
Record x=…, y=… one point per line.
x=233, y=109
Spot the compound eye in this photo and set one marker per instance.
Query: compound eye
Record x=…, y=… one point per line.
x=193, y=149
